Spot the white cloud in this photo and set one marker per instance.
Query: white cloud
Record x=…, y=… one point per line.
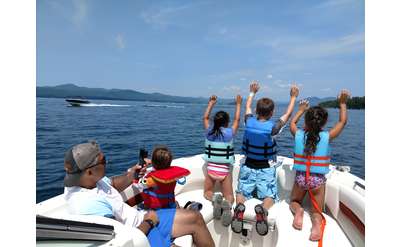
x=162, y=17
x=282, y=84
x=317, y=49
x=120, y=41
x=242, y=75
x=223, y=31
x=269, y=76
x=232, y=88
x=80, y=12
x=334, y=3
x=326, y=89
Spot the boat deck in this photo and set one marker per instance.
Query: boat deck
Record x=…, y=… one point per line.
x=284, y=234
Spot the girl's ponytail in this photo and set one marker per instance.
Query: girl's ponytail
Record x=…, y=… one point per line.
x=221, y=119
x=315, y=119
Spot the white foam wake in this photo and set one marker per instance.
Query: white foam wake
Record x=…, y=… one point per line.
x=92, y=104
x=165, y=106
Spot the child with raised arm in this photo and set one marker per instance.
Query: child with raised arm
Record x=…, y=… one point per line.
x=311, y=161
x=219, y=155
x=257, y=174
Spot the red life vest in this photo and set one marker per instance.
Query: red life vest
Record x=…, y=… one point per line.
x=161, y=187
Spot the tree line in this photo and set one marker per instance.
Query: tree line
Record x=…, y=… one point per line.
x=353, y=103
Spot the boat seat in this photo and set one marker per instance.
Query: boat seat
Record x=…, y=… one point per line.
x=59, y=210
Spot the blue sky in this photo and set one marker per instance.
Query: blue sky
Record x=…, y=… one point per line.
x=199, y=48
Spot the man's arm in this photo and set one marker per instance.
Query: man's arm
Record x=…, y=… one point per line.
x=294, y=92
x=335, y=131
x=146, y=226
x=236, y=120
x=122, y=182
x=303, y=106
x=206, y=117
x=254, y=87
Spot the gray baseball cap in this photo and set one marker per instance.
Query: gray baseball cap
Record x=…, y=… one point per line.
x=77, y=159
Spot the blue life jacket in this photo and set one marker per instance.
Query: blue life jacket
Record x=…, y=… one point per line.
x=258, y=144
x=219, y=152
x=319, y=161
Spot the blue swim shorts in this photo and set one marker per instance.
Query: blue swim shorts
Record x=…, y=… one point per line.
x=160, y=235
x=262, y=181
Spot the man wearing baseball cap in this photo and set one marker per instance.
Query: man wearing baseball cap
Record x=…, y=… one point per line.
x=89, y=192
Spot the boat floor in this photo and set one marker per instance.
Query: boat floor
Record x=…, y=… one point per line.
x=284, y=234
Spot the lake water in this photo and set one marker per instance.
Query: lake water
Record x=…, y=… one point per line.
x=122, y=127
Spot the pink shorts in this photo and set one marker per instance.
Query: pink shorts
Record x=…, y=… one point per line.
x=314, y=180
x=218, y=171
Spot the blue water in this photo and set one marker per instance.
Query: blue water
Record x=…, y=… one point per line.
x=122, y=127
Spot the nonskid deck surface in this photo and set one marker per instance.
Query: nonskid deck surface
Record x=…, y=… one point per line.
x=284, y=234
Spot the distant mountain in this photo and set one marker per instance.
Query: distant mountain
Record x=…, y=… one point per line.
x=315, y=100
x=71, y=90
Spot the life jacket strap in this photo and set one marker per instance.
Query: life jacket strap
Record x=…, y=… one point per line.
x=311, y=157
x=158, y=195
x=298, y=162
x=247, y=145
x=314, y=202
x=228, y=150
x=261, y=154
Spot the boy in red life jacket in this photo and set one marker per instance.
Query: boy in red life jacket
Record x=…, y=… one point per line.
x=161, y=181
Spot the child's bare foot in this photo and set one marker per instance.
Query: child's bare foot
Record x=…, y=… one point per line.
x=316, y=228
x=208, y=195
x=298, y=219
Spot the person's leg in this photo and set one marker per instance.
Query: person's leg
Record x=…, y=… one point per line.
x=227, y=190
x=246, y=184
x=240, y=198
x=208, y=187
x=297, y=210
x=191, y=222
x=268, y=202
x=316, y=217
x=267, y=189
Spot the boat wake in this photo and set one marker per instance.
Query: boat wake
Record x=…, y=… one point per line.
x=111, y=105
x=165, y=106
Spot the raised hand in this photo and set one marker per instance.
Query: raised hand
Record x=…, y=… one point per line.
x=294, y=90
x=238, y=99
x=212, y=100
x=343, y=96
x=254, y=86
x=303, y=105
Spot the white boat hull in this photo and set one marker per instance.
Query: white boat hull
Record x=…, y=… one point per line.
x=344, y=211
